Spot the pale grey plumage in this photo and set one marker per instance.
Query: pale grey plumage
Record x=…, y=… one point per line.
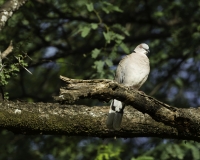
x=132, y=71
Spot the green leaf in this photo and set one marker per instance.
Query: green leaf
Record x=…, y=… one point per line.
x=109, y=62
x=113, y=53
x=196, y=35
x=195, y=153
x=94, y=25
x=124, y=48
x=7, y=76
x=117, y=9
x=107, y=3
x=90, y=7
x=163, y=56
x=118, y=36
x=186, y=51
x=107, y=36
x=99, y=65
x=145, y=158
x=179, y=82
x=193, y=149
x=95, y=53
x=121, y=28
x=158, y=14
x=198, y=28
x=106, y=10
x=165, y=155
x=109, y=7
x=85, y=31
x=178, y=151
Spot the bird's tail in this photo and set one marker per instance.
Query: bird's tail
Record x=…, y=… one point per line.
x=115, y=115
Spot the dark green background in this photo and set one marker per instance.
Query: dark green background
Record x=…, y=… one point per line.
x=60, y=37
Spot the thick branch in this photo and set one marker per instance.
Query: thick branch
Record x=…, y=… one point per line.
x=186, y=121
x=53, y=118
x=79, y=120
x=7, y=9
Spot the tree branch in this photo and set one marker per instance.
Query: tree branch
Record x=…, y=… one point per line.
x=7, y=9
x=53, y=118
x=79, y=120
x=185, y=121
x=161, y=120
x=7, y=51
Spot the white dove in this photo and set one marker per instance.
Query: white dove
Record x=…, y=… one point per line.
x=132, y=71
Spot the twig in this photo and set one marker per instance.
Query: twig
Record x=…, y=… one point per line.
x=7, y=51
x=22, y=65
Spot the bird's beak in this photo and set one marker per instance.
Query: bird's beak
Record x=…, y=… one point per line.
x=148, y=51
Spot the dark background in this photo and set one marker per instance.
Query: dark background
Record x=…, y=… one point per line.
x=61, y=36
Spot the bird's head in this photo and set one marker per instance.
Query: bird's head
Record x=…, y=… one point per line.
x=142, y=48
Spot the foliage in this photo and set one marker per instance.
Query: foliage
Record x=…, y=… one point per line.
x=107, y=152
x=9, y=67
x=176, y=150
x=86, y=39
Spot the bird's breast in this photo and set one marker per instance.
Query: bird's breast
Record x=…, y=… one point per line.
x=136, y=73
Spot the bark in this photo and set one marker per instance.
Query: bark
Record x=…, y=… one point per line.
x=7, y=9
x=147, y=118
x=185, y=121
x=78, y=120
x=7, y=51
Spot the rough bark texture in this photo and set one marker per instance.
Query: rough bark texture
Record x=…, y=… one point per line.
x=149, y=117
x=185, y=121
x=79, y=120
x=53, y=118
x=7, y=9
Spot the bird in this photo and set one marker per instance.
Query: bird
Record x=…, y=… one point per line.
x=132, y=71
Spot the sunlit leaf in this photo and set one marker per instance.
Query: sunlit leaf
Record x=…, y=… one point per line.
x=117, y=9
x=105, y=10
x=99, y=65
x=85, y=31
x=144, y=158
x=109, y=62
x=94, y=25
x=95, y=53
x=179, y=152
x=179, y=82
x=107, y=37
x=109, y=7
x=90, y=7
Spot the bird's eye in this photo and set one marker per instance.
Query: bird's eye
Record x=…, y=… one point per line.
x=147, y=50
